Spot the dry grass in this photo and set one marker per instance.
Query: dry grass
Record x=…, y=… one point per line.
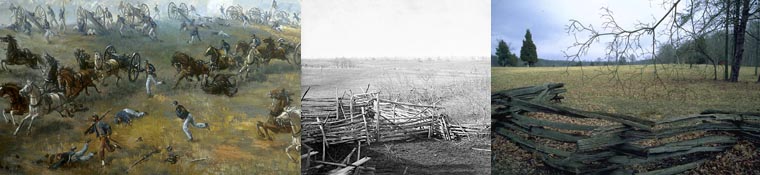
x=232, y=145
x=461, y=86
x=681, y=90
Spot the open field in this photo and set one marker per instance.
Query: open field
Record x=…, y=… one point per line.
x=461, y=86
x=682, y=90
x=679, y=91
x=232, y=144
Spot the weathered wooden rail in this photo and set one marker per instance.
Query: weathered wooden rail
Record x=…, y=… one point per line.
x=366, y=118
x=583, y=142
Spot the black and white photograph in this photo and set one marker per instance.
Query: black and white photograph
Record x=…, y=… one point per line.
x=395, y=87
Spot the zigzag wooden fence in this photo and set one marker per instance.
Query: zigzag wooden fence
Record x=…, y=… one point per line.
x=582, y=142
x=366, y=118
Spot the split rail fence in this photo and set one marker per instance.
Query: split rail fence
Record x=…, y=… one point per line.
x=587, y=142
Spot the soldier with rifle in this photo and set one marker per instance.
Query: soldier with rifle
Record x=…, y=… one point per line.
x=102, y=132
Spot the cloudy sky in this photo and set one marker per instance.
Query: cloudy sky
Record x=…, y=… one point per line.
x=547, y=20
x=395, y=28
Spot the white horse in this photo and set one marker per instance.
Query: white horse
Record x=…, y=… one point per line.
x=293, y=116
x=40, y=104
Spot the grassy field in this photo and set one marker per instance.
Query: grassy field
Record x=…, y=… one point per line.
x=232, y=144
x=635, y=91
x=459, y=85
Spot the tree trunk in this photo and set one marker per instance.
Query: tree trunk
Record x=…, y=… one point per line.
x=725, y=57
x=739, y=32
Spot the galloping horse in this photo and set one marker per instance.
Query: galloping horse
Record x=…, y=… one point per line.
x=280, y=100
x=74, y=82
x=17, y=56
x=253, y=62
x=292, y=116
x=269, y=50
x=219, y=61
x=242, y=47
x=40, y=104
x=187, y=67
x=19, y=105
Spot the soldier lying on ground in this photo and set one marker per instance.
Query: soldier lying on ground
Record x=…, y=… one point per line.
x=70, y=156
x=126, y=115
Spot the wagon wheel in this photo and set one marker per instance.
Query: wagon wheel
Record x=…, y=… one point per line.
x=100, y=14
x=145, y=9
x=40, y=14
x=171, y=10
x=297, y=55
x=134, y=67
x=109, y=52
x=182, y=10
x=80, y=13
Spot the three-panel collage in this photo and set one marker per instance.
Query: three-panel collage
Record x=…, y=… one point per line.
x=381, y=87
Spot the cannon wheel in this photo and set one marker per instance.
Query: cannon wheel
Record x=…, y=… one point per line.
x=40, y=14
x=134, y=67
x=109, y=52
x=145, y=9
x=183, y=10
x=297, y=55
x=172, y=10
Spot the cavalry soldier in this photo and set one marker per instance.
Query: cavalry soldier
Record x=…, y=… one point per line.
x=194, y=34
x=70, y=156
x=103, y=132
x=150, y=73
x=255, y=42
x=226, y=47
x=187, y=118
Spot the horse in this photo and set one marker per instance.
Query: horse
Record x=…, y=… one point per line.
x=106, y=68
x=19, y=105
x=51, y=81
x=242, y=47
x=280, y=100
x=292, y=116
x=269, y=50
x=40, y=103
x=219, y=61
x=17, y=56
x=188, y=67
x=74, y=82
x=221, y=85
x=253, y=58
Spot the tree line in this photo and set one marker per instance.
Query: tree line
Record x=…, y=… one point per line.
x=528, y=53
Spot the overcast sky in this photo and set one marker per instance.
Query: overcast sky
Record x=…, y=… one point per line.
x=395, y=28
x=547, y=20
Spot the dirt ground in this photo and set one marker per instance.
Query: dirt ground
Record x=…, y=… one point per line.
x=231, y=145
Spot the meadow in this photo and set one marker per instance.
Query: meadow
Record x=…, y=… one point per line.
x=231, y=145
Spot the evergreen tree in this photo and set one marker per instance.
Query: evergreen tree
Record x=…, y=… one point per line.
x=504, y=56
x=528, y=51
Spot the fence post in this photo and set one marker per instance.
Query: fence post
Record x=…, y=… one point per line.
x=377, y=117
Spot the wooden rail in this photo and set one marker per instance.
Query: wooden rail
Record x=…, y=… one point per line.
x=581, y=142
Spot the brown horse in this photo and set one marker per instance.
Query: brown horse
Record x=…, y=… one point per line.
x=17, y=56
x=187, y=67
x=75, y=82
x=219, y=61
x=280, y=100
x=269, y=50
x=19, y=105
x=242, y=47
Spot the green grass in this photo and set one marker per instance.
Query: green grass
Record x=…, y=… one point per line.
x=232, y=145
x=635, y=90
